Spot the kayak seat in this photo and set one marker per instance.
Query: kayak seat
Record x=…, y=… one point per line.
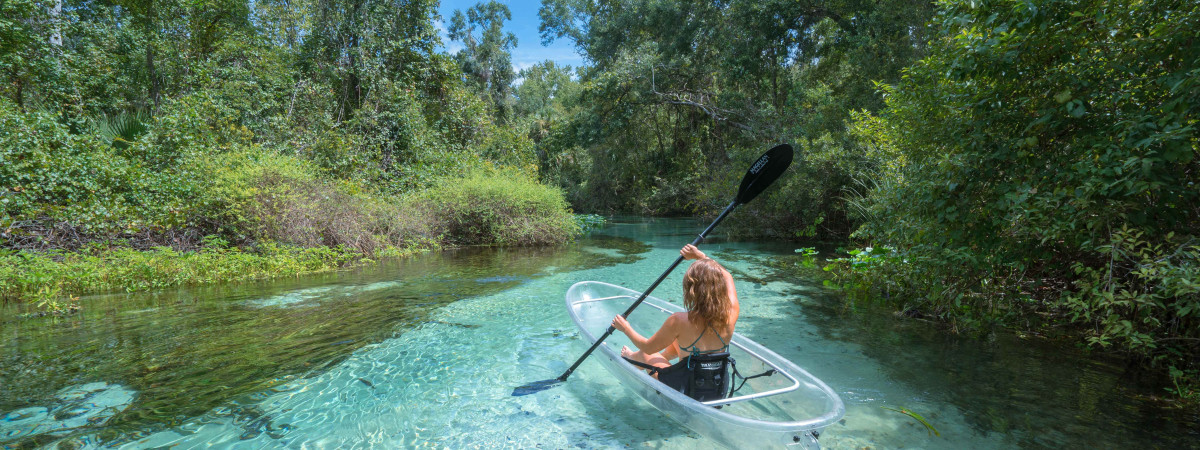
x=701, y=376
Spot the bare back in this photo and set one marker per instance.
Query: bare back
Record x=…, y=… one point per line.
x=702, y=336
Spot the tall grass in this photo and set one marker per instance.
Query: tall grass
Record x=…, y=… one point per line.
x=283, y=199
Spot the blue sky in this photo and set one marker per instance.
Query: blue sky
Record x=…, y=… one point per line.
x=524, y=25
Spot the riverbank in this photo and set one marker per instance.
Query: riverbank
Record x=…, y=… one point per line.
x=883, y=277
x=190, y=197
x=53, y=280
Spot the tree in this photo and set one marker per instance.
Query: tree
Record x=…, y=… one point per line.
x=682, y=91
x=547, y=100
x=56, y=24
x=545, y=91
x=1050, y=151
x=28, y=54
x=355, y=44
x=485, y=57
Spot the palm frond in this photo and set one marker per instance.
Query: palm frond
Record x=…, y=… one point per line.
x=122, y=129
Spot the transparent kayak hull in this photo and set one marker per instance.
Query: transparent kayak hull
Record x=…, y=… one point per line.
x=781, y=409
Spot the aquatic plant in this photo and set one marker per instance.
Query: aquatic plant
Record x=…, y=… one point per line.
x=1185, y=385
x=808, y=257
x=54, y=280
x=589, y=222
x=932, y=431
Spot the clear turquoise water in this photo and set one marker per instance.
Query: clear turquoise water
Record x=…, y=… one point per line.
x=425, y=352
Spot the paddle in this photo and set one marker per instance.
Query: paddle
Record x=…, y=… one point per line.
x=765, y=170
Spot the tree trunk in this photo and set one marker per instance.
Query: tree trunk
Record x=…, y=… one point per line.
x=56, y=24
x=20, y=94
x=290, y=26
x=152, y=73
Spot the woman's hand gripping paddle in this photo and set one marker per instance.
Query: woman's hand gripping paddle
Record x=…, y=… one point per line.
x=766, y=169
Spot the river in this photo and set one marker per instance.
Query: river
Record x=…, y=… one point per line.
x=425, y=351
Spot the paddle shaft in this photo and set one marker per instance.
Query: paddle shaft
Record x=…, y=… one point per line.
x=647, y=292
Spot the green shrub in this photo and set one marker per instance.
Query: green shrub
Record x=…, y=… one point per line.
x=259, y=196
x=1041, y=164
x=1145, y=299
x=398, y=144
x=502, y=208
x=91, y=186
x=49, y=175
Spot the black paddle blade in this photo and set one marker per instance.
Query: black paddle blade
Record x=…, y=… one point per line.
x=765, y=170
x=535, y=387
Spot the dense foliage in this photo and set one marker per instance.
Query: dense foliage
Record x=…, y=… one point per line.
x=497, y=208
x=296, y=124
x=679, y=97
x=1041, y=162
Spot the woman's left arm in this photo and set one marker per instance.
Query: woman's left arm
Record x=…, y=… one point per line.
x=662, y=338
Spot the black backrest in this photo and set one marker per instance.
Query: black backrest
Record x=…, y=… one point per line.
x=710, y=376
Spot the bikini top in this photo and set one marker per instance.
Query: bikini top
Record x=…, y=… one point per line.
x=691, y=349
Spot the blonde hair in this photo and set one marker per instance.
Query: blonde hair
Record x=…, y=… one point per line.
x=705, y=294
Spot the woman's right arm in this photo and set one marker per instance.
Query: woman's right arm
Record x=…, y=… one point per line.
x=691, y=252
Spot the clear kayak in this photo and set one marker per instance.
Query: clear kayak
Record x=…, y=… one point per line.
x=785, y=408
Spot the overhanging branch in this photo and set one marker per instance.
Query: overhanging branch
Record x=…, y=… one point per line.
x=688, y=99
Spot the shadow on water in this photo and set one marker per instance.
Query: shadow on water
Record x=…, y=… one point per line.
x=213, y=345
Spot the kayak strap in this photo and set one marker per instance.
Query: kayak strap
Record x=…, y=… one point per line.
x=736, y=375
x=652, y=369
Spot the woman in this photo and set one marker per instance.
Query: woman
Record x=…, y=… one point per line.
x=712, y=311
